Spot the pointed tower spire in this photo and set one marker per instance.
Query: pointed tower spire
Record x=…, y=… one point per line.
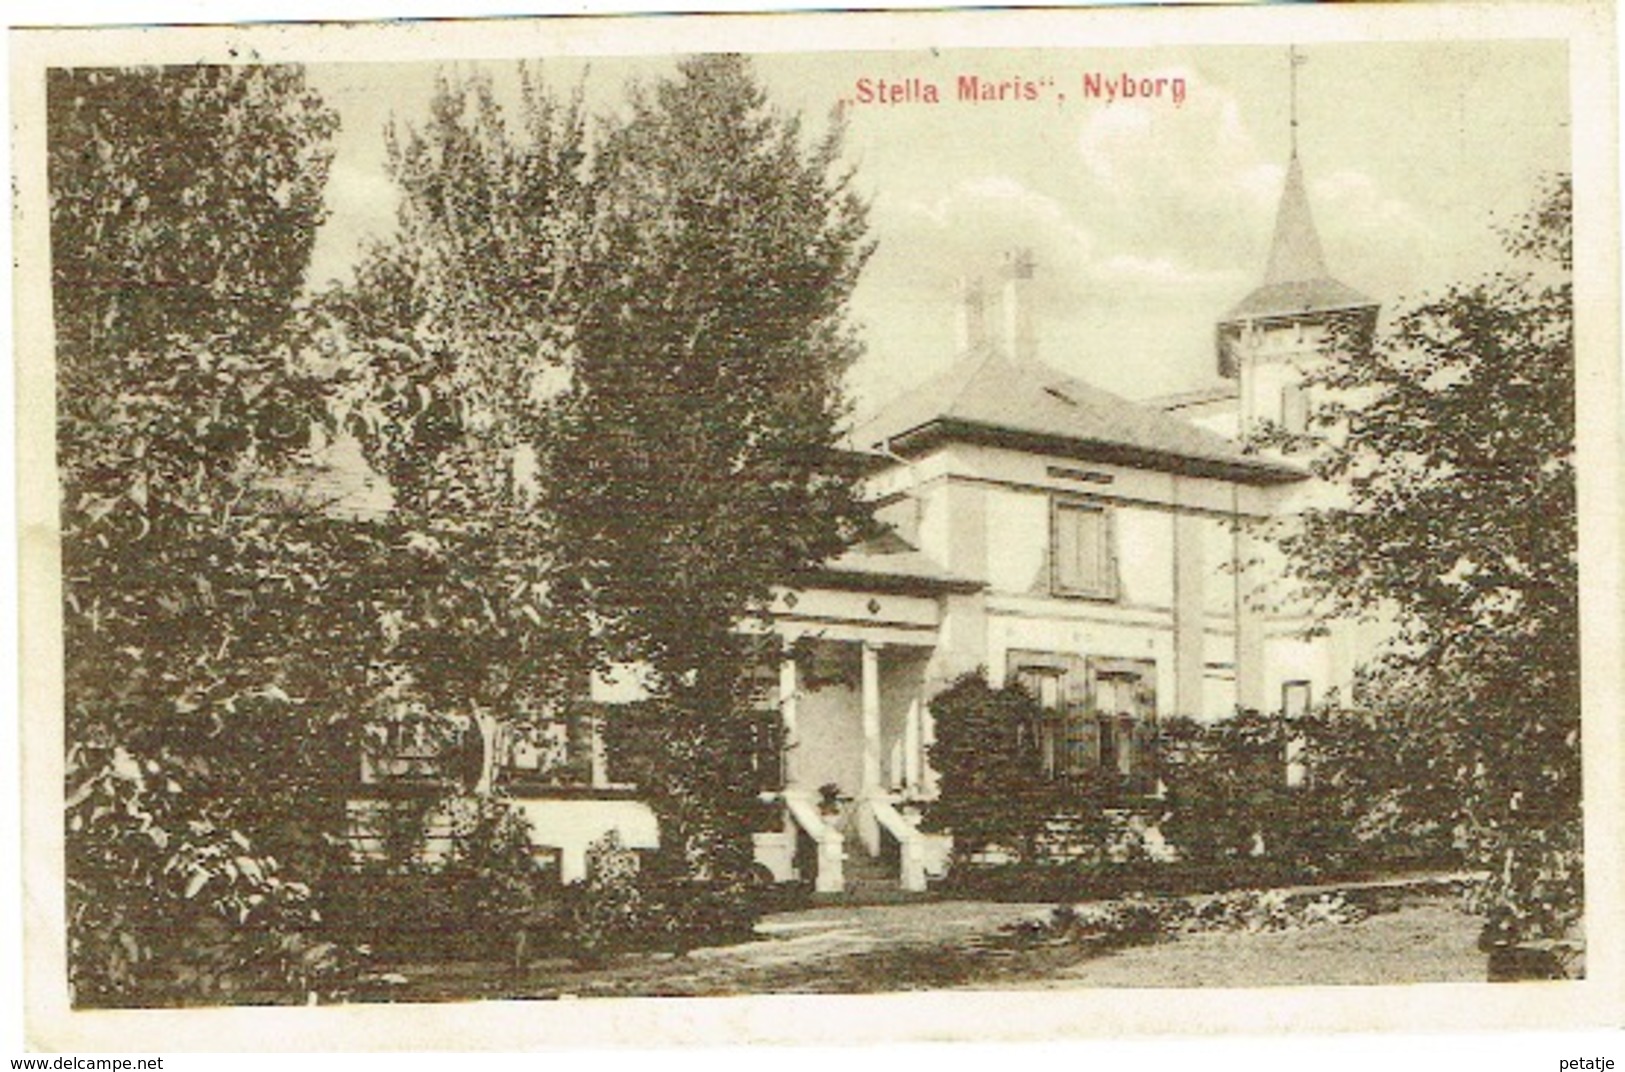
x=1295, y=253
x=1297, y=291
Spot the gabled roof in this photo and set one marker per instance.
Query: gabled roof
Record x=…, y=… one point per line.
x=1295, y=279
x=989, y=398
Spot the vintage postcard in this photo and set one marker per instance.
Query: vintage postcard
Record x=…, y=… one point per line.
x=582, y=531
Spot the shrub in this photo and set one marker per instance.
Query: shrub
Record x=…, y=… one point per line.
x=1132, y=920
x=700, y=771
x=1138, y=919
x=685, y=914
x=1225, y=783
x=485, y=898
x=604, y=912
x=1535, y=895
x=494, y=860
x=169, y=903
x=994, y=795
x=1371, y=794
x=624, y=906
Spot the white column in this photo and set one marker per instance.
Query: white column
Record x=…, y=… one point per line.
x=789, y=687
x=1250, y=682
x=912, y=747
x=490, y=731
x=868, y=826
x=928, y=737
x=871, y=718
x=1189, y=603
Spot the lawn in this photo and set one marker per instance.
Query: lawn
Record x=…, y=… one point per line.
x=1425, y=938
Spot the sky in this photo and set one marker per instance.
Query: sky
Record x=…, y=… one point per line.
x=1147, y=218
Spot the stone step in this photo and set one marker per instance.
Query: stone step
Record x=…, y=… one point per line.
x=862, y=862
x=866, y=894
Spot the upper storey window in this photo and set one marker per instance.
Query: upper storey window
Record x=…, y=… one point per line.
x=1081, y=550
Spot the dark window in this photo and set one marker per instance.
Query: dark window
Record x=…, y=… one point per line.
x=1116, y=712
x=553, y=751
x=764, y=740
x=416, y=746
x=1046, y=684
x=1100, y=714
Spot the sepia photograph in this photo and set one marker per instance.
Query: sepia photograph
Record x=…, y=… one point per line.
x=1040, y=509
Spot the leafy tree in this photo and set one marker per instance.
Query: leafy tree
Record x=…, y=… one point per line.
x=184, y=202
x=1453, y=442
x=693, y=468
x=145, y=168
x=448, y=351
x=457, y=337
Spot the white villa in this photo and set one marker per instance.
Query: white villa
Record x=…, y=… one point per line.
x=1045, y=530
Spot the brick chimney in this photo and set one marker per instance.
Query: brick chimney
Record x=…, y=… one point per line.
x=1020, y=342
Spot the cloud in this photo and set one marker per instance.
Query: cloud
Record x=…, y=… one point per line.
x=929, y=246
x=1188, y=195
x=1192, y=183
x=1370, y=233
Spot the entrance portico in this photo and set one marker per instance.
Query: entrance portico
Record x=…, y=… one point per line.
x=852, y=692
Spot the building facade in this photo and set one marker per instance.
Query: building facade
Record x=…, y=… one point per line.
x=1102, y=552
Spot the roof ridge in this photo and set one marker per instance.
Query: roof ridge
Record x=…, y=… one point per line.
x=1094, y=394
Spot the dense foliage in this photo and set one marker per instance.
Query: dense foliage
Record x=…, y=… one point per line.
x=445, y=352
x=600, y=387
x=604, y=381
x=456, y=879
x=738, y=753
x=993, y=792
x=1453, y=441
x=184, y=202
x=693, y=469
x=1245, y=799
x=625, y=906
x=1335, y=792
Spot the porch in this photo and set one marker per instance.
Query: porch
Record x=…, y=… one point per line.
x=857, y=733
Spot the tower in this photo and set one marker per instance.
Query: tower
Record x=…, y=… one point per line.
x=1298, y=317
x=1294, y=316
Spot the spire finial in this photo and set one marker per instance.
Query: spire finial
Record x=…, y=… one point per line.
x=1295, y=59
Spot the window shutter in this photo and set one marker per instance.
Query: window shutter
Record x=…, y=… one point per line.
x=1082, y=558
x=1066, y=549
x=1080, y=734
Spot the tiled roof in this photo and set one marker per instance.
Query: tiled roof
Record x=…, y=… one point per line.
x=1295, y=279
x=990, y=398
x=1297, y=297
